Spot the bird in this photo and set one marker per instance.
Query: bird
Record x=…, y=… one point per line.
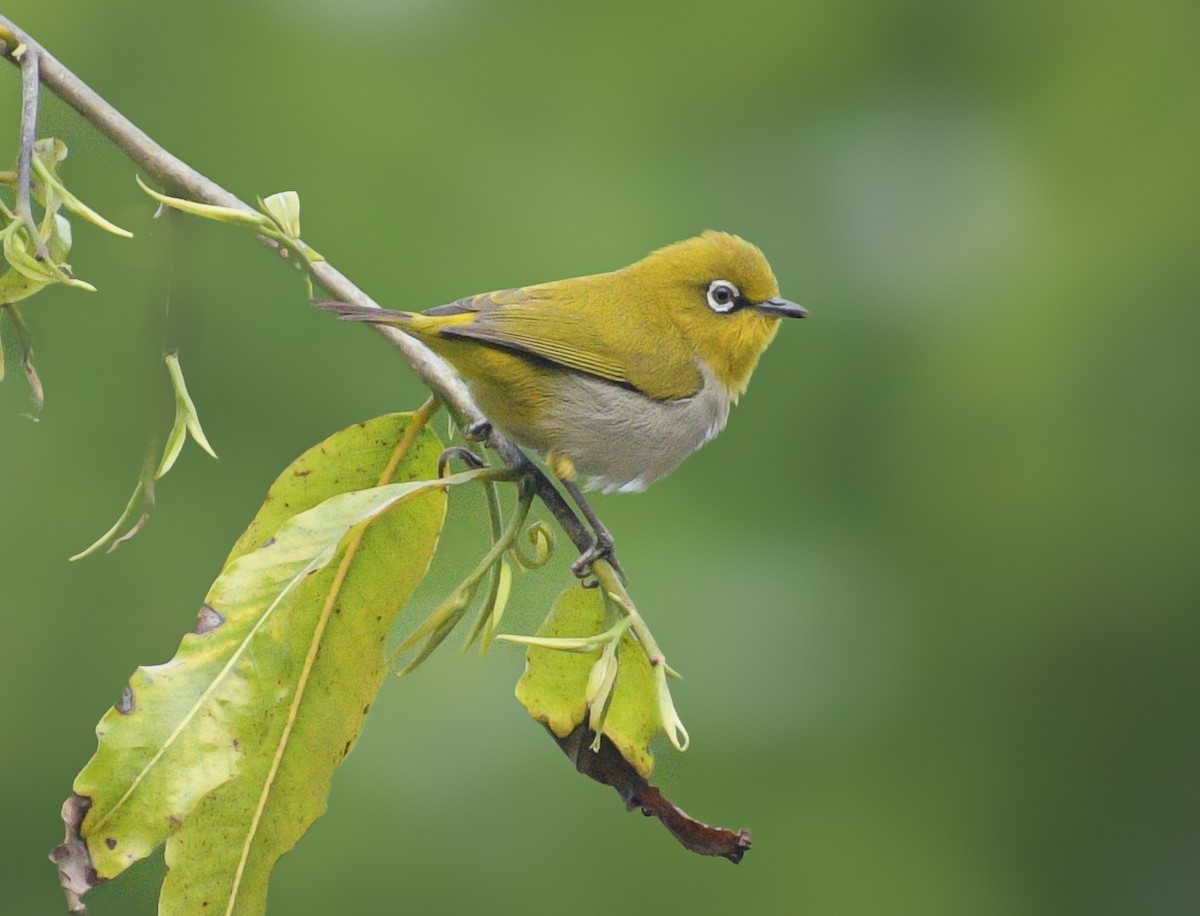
x=613, y=378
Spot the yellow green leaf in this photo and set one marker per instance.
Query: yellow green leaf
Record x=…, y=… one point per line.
x=15, y=286
x=284, y=209
x=208, y=211
x=555, y=685
x=227, y=751
x=17, y=254
x=186, y=418
x=132, y=517
x=503, y=590
x=73, y=203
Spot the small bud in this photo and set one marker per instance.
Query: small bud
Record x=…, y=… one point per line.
x=186, y=419
x=601, y=680
x=284, y=209
x=503, y=590
x=667, y=715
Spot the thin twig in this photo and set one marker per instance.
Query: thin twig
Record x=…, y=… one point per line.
x=30, y=88
x=177, y=174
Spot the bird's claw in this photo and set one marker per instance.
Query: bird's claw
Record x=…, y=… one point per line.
x=603, y=548
x=464, y=455
x=479, y=431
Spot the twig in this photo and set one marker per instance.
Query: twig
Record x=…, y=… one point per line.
x=604, y=763
x=175, y=173
x=30, y=87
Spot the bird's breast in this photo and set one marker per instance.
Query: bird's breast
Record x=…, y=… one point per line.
x=621, y=440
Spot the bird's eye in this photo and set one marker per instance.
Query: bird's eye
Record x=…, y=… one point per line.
x=722, y=296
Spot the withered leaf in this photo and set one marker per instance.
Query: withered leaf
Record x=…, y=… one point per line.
x=607, y=766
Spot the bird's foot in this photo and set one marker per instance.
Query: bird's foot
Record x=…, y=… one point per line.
x=603, y=548
x=465, y=455
x=479, y=431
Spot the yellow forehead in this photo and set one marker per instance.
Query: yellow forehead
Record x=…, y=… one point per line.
x=714, y=256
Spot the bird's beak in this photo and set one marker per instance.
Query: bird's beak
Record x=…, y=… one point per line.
x=781, y=308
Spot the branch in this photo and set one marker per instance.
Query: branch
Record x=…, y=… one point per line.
x=29, y=112
x=607, y=766
x=174, y=172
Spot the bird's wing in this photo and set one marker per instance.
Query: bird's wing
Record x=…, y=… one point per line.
x=559, y=328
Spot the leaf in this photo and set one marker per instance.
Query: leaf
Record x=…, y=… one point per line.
x=137, y=510
x=227, y=751
x=186, y=418
x=16, y=285
x=570, y=662
x=36, y=389
x=284, y=210
x=50, y=152
x=16, y=253
x=75, y=872
x=445, y=617
x=208, y=211
x=554, y=687
x=45, y=167
x=37, y=262
x=133, y=517
x=499, y=603
x=600, y=682
x=59, y=242
x=25, y=339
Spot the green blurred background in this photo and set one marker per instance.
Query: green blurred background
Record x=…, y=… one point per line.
x=935, y=588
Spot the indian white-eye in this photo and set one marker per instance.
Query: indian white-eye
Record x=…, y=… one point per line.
x=615, y=377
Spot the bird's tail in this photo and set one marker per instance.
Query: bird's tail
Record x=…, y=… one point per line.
x=348, y=312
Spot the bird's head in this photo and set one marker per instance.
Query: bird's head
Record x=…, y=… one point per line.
x=719, y=290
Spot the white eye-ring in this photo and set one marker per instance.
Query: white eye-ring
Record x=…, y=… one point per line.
x=722, y=296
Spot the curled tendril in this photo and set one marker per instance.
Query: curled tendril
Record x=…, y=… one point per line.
x=541, y=536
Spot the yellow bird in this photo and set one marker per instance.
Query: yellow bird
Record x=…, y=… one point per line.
x=613, y=378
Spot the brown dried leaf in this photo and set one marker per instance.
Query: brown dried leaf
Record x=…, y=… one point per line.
x=35, y=381
x=607, y=766
x=76, y=872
